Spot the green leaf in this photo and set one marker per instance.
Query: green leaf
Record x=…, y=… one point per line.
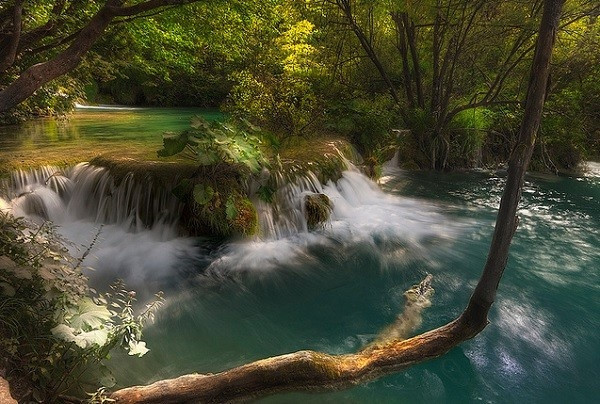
x=206, y=158
x=89, y=314
x=203, y=194
x=64, y=332
x=137, y=348
x=173, y=144
x=90, y=338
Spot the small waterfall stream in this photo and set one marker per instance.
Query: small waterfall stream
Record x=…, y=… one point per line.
x=137, y=222
x=90, y=192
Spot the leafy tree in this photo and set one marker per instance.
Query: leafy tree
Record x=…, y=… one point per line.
x=440, y=58
x=52, y=42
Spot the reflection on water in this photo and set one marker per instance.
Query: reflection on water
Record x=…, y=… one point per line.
x=106, y=124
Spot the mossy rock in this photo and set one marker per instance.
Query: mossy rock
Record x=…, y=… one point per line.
x=245, y=221
x=323, y=156
x=317, y=208
x=165, y=173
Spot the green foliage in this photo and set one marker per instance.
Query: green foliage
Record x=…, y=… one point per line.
x=55, y=98
x=279, y=93
x=298, y=69
x=562, y=143
x=227, y=212
x=469, y=130
x=54, y=331
x=210, y=143
x=226, y=153
x=368, y=123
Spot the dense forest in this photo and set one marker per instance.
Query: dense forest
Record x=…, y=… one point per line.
x=332, y=153
x=453, y=72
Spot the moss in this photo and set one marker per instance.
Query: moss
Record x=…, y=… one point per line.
x=166, y=173
x=211, y=217
x=246, y=220
x=325, y=156
x=317, y=209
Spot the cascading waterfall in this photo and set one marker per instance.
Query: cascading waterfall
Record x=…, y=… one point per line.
x=139, y=240
x=355, y=198
x=362, y=216
x=134, y=220
x=90, y=192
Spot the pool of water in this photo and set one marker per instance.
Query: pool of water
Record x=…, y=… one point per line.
x=333, y=290
x=91, y=131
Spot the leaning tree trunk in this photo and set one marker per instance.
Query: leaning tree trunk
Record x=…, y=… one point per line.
x=309, y=370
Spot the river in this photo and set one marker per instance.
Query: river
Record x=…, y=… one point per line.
x=333, y=289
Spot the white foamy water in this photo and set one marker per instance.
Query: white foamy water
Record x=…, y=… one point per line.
x=362, y=216
x=134, y=222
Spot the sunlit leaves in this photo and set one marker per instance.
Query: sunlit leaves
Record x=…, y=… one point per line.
x=55, y=329
x=137, y=348
x=88, y=314
x=211, y=143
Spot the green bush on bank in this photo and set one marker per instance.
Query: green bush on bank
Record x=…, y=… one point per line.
x=215, y=197
x=55, y=332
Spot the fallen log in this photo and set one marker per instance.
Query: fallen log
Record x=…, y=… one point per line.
x=5, y=396
x=313, y=371
x=310, y=370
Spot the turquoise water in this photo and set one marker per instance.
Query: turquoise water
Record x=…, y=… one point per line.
x=102, y=124
x=89, y=132
x=333, y=290
x=542, y=345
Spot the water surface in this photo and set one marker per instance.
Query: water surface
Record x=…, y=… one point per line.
x=92, y=131
x=334, y=290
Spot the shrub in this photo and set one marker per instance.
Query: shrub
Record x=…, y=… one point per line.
x=55, y=331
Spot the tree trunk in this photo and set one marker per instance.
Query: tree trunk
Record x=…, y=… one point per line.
x=344, y=6
x=507, y=221
x=403, y=49
x=309, y=370
x=38, y=75
x=10, y=51
x=412, y=45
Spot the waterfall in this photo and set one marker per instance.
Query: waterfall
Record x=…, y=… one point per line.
x=135, y=218
x=363, y=218
x=139, y=239
x=90, y=192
